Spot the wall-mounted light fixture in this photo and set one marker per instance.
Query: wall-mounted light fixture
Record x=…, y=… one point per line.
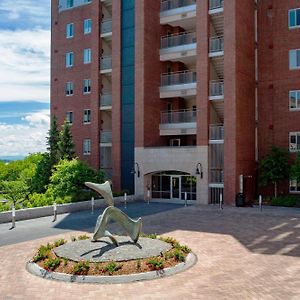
x=199, y=170
x=136, y=170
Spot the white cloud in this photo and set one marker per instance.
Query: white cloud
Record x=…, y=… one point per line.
x=27, y=138
x=25, y=65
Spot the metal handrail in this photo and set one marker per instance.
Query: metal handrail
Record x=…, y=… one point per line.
x=181, y=77
x=214, y=4
x=216, y=44
x=180, y=116
x=216, y=132
x=172, y=4
x=216, y=88
x=106, y=136
x=106, y=62
x=106, y=100
x=106, y=26
x=178, y=39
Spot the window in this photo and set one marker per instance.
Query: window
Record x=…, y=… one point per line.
x=294, y=141
x=69, y=117
x=86, y=86
x=69, y=59
x=70, y=3
x=69, y=30
x=87, y=56
x=294, y=59
x=294, y=18
x=295, y=100
x=294, y=186
x=87, y=116
x=69, y=88
x=175, y=142
x=87, y=26
x=87, y=1
x=86, y=147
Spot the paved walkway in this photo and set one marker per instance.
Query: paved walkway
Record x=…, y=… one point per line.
x=242, y=254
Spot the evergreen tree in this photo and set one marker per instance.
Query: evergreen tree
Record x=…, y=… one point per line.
x=295, y=170
x=52, y=142
x=65, y=144
x=274, y=168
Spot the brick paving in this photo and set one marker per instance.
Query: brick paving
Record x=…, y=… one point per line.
x=241, y=255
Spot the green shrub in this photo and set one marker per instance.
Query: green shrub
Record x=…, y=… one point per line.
x=51, y=264
x=288, y=201
x=83, y=237
x=60, y=242
x=112, y=267
x=81, y=268
x=178, y=255
x=43, y=253
x=156, y=263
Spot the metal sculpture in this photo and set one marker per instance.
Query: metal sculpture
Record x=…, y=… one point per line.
x=132, y=227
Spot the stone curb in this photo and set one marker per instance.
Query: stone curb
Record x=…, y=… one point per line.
x=36, y=270
x=45, y=211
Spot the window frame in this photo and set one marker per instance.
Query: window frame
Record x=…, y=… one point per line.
x=290, y=186
x=87, y=116
x=69, y=25
x=296, y=19
x=87, y=22
x=69, y=88
x=296, y=134
x=87, y=53
x=70, y=3
x=70, y=117
x=297, y=52
x=297, y=100
x=69, y=55
x=87, y=86
x=87, y=146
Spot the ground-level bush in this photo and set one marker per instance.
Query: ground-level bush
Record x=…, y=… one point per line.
x=288, y=201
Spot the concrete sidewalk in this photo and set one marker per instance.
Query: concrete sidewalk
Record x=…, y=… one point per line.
x=242, y=254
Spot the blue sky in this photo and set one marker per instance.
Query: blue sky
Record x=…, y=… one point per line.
x=24, y=76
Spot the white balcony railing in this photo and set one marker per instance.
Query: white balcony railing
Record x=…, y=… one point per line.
x=181, y=116
x=178, y=39
x=106, y=63
x=172, y=4
x=105, y=100
x=216, y=88
x=215, y=4
x=106, y=26
x=216, y=132
x=176, y=78
x=106, y=136
x=216, y=44
x=216, y=176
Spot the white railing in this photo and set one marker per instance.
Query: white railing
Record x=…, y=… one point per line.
x=216, y=44
x=178, y=39
x=180, y=116
x=106, y=136
x=181, y=77
x=171, y=4
x=105, y=100
x=106, y=26
x=216, y=132
x=214, y=4
x=216, y=176
x=216, y=88
x=106, y=63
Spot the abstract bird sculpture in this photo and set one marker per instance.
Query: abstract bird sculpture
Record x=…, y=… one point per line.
x=132, y=227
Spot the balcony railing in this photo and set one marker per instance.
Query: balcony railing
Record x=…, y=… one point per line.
x=106, y=63
x=216, y=176
x=106, y=26
x=105, y=100
x=172, y=4
x=216, y=132
x=216, y=44
x=180, y=39
x=182, y=77
x=215, y=4
x=106, y=136
x=181, y=116
x=216, y=88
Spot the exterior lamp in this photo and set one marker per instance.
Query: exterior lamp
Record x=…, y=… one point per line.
x=199, y=170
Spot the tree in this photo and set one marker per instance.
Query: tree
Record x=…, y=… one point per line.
x=69, y=177
x=52, y=141
x=295, y=169
x=274, y=167
x=65, y=144
x=15, y=191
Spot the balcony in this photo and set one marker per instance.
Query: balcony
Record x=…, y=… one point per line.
x=182, y=47
x=216, y=6
x=216, y=133
x=178, y=13
x=106, y=65
x=182, y=122
x=105, y=102
x=178, y=84
x=216, y=90
x=107, y=2
x=106, y=138
x=216, y=46
x=106, y=29
x=216, y=176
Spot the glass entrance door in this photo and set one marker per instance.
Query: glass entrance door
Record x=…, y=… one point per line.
x=175, y=187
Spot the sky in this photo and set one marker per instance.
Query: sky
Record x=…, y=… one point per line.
x=24, y=76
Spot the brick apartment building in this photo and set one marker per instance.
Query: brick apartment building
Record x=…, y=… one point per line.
x=178, y=97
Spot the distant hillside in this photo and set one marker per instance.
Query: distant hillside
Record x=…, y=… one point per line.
x=10, y=158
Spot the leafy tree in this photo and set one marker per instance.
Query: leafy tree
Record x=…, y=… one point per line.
x=15, y=191
x=42, y=175
x=274, y=168
x=69, y=177
x=65, y=144
x=295, y=169
x=52, y=142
